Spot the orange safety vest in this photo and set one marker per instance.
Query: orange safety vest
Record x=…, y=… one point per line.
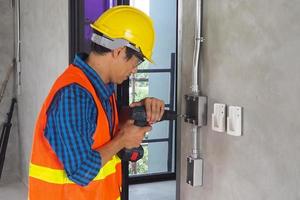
x=47, y=178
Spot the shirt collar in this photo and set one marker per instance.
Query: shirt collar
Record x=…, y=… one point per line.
x=103, y=90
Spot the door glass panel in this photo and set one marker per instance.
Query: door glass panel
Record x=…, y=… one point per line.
x=150, y=85
x=159, y=86
x=138, y=87
x=159, y=130
x=157, y=80
x=157, y=157
x=163, y=14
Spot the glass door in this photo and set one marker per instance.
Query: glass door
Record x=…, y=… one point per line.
x=157, y=80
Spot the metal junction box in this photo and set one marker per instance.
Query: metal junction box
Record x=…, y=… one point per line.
x=195, y=109
x=194, y=171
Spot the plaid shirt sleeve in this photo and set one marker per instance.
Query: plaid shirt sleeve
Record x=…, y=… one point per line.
x=71, y=123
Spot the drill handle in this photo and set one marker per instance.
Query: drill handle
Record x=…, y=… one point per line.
x=132, y=155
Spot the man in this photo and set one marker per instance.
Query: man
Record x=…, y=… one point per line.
x=78, y=134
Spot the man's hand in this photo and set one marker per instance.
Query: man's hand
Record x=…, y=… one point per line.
x=154, y=108
x=129, y=136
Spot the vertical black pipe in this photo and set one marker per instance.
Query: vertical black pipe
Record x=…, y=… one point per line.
x=171, y=123
x=5, y=135
x=123, y=100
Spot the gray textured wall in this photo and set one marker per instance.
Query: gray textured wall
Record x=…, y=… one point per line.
x=250, y=59
x=44, y=55
x=11, y=166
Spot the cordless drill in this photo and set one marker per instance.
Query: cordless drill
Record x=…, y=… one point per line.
x=138, y=114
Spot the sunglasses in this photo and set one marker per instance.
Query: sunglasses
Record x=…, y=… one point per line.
x=139, y=58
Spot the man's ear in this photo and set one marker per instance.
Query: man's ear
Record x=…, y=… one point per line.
x=117, y=52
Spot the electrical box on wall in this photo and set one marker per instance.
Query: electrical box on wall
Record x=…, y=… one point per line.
x=195, y=109
x=194, y=171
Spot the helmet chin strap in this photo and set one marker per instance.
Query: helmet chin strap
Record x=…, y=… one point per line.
x=112, y=43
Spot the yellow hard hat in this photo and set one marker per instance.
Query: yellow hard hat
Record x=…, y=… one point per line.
x=129, y=23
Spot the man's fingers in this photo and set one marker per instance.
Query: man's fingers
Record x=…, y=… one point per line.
x=154, y=108
x=159, y=109
x=148, y=109
x=162, y=110
x=156, y=111
x=134, y=104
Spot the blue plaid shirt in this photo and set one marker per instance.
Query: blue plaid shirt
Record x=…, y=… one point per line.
x=72, y=120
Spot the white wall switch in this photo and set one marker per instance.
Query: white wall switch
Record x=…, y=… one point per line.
x=218, y=117
x=234, y=121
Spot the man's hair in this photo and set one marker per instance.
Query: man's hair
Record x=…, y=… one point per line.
x=103, y=50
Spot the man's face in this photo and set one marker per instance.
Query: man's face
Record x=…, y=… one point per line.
x=124, y=68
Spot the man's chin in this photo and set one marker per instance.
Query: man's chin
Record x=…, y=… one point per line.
x=125, y=79
x=121, y=81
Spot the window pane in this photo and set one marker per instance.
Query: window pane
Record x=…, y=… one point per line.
x=150, y=85
x=159, y=86
x=159, y=130
x=138, y=87
x=157, y=157
x=163, y=14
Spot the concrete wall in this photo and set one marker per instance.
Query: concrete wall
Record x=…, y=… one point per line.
x=44, y=55
x=11, y=166
x=250, y=59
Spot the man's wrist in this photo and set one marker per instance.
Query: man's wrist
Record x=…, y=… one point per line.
x=111, y=148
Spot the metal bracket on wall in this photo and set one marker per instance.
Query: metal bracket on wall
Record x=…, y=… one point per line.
x=202, y=39
x=195, y=109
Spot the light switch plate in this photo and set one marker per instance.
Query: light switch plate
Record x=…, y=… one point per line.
x=234, y=121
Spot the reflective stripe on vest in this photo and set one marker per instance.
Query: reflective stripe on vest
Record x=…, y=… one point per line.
x=58, y=176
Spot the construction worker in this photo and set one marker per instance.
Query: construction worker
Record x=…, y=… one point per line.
x=78, y=133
